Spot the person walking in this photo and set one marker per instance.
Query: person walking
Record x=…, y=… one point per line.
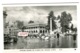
x=58, y=39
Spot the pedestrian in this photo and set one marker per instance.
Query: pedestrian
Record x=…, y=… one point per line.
x=58, y=39
x=58, y=35
x=74, y=40
x=74, y=37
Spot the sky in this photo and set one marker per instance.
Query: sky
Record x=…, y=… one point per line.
x=38, y=13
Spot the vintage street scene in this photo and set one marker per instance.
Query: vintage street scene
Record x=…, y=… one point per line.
x=40, y=27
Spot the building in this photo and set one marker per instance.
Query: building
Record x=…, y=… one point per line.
x=36, y=28
x=13, y=29
x=4, y=17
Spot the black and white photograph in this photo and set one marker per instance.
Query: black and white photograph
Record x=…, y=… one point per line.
x=40, y=27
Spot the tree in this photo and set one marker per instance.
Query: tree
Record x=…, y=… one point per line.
x=53, y=24
x=65, y=20
x=24, y=27
x=72, y=27
x=4, y=14
x=58, y=17
x=6, y=24
x=51, y=15
x=19, y=24
x=31, y=21
x=4, y=17
x=75, y=29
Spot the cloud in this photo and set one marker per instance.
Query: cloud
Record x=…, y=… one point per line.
x=37, y=13
x=25, y=14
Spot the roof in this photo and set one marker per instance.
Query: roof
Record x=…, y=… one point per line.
x=35, y=25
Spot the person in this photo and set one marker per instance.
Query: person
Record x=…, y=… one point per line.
x=74, y=39
x=57, y=35
x=58, y=38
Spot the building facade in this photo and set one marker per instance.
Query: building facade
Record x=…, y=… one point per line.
x=36, y=28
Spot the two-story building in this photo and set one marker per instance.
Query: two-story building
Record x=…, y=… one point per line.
x=36, y=28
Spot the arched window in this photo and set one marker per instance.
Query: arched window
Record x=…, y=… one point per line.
x=36, y=31
x=43, y=31
x=40, y=31
x=35, y=27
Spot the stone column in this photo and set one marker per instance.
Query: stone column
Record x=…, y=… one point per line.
x=51, y=35
x=50, y=25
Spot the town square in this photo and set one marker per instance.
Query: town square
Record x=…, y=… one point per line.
x=38, y=27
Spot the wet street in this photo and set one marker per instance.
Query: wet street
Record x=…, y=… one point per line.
x=35, y=43
x=29, y=43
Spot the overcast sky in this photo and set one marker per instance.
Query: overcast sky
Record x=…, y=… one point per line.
x=38, y=13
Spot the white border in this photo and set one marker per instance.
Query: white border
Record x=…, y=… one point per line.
x=70, y=50
x=38, y=4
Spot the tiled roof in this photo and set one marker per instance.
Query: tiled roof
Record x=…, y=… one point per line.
x=35, y=25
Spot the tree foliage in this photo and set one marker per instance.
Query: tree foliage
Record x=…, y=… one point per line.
x=65, y=20
x=6, y=24
x=31, y=21
x=4, y=14
x=51, y=15
x=58, y=17
x=24, y=27
x=72, y=27
x=20, y=24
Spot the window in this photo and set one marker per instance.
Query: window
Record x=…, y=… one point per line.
x=36, y=31
x=45, y=30
x=35, y=27
x=40, y=31
x=32, y=31
x=40, y=27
